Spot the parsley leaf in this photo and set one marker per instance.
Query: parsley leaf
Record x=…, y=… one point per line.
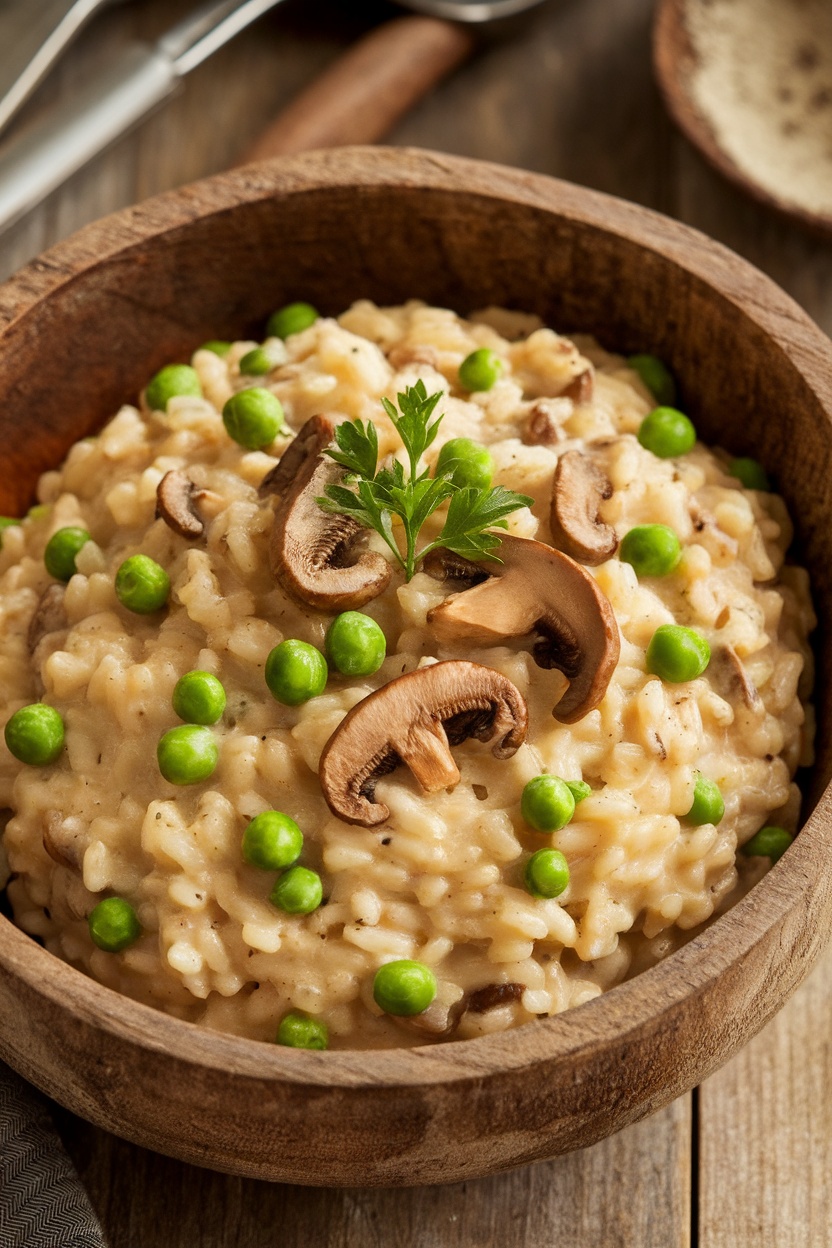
x=471, y=514
x=373, y=495
x=357, y=447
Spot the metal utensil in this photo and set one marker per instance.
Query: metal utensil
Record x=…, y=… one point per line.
x=470, y=10
x=35, y=33
x=49, y=150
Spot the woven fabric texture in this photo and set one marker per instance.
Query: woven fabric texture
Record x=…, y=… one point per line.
x=42, y=1201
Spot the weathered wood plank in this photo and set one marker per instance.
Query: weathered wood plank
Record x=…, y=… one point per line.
x=631, y=1189
x=765, y=1132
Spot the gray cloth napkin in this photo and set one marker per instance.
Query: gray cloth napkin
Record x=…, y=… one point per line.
x=42, y=1201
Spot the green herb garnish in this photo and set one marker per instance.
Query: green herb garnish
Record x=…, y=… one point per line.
x=373, y=495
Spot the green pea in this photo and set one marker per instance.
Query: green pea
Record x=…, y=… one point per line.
x=253, y=418
x=404, y=988
x=547, y=804
x=61, y=549
x=652, y=549
x=257, y=362
x=114, y=925
x=35, y=734
x=469, y=463
x=298, y=891
x=579, y=789
x=355, y=644
x=292, y=319
x=272, y=841
x=142, y=585
x=667, y=432
x=656, y=376
x=750, y=472
x=218, y=346
x=170, y=381
x=199, y=698
x=38, y=511
x=295, y=672
x=770, y=842
x=480, y=370
x=546, y=873
x=677, y=653
x=187, y=755
x=6, y=522
x=708, y=805
x=300, y=1032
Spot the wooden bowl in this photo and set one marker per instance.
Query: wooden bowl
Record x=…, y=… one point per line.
x=676, y=60
x=83, y=328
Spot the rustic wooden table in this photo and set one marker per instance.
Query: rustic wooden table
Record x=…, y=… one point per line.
x=743, y=1160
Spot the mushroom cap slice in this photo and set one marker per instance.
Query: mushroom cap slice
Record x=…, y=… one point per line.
x=310, y=440
x=538, y=589
x=312, y=551
x=415, y=719
x=579, y=489
x=175, y=504
x=728, y=670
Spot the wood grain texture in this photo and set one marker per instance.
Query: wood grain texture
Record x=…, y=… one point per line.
x=630, y=1190
x=571, y=94
x=360, y=97
x=770, y=1111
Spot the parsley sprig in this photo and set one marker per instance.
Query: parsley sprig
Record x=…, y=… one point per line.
x=373, y=495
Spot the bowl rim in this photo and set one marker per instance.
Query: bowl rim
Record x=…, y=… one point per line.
x=651, y=997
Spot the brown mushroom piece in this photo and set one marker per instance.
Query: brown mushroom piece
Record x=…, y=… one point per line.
x=312, y=551
x=414, y=720
x=544, y=427
x=175, y=505
x=402, y=355
x=579, y=489
x=492, y=996
x=581, y=387
x=438, y=1020
x=63, y=839
x=729, y=670
x=538, y=589
x=309, y=441
x=49, y=617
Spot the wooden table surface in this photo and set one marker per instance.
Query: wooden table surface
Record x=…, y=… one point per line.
x=745, y=1159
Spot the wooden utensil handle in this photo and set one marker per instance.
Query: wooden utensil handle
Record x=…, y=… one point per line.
x=363, y=94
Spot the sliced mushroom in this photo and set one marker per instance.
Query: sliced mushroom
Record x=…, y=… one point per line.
x=49, y=617
x=545, y=421
x=63, y=839
x=727, y=665
x=438, y=1020
x=312, y=552
x=539, y=589
x=580, y=388
x=402, y=355
x=446, y=565
x=175, y=504
x=481, y=1000
x=414, y=720
x=310, y=440
x=578, y=491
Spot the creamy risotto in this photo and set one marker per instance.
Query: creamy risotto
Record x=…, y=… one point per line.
x=422, y=849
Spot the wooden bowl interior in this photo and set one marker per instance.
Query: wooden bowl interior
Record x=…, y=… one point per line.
x=87, y=326
x=68, y=364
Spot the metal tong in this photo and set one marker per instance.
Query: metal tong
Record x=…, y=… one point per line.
x=46, y=152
